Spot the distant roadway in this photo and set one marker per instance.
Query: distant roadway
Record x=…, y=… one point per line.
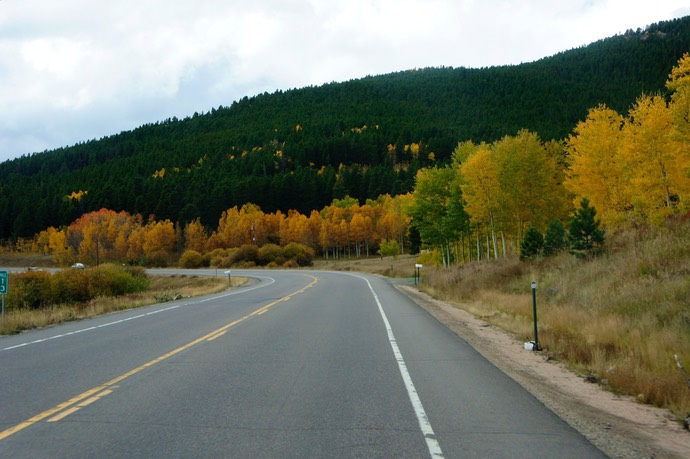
x=294, y=364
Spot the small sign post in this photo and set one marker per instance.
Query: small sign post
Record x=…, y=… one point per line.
x=4, y=287
x=534, y=308
x=417, y=267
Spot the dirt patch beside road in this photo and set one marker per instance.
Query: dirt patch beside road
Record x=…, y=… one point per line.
x=619, y=426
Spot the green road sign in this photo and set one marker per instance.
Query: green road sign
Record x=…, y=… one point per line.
x=3, y=282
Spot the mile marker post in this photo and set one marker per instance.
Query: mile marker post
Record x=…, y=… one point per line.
x=417, y=278
x=534, y=307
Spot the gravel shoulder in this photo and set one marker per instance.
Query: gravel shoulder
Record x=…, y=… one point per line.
x=618, y=426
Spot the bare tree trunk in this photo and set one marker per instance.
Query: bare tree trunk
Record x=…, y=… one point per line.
x=479, y=249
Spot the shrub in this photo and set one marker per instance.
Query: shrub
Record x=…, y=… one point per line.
x=30, y=290
x=389, y=248
x=270, y=253
x=301, y=254
x=160, y=258
x=114, y=280
x=191, y=259
x=430, y=258
x=245, y=255
x=220, y=258
x=71, y=285
x=36, y=290
x=290, y=264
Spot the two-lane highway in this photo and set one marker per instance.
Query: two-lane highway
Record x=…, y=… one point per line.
x=296, y=364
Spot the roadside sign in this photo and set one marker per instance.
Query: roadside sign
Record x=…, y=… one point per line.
x=3, y=282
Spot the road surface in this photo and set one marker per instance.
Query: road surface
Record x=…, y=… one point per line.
x=294, y=364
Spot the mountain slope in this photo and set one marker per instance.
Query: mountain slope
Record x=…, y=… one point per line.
x=301, y=148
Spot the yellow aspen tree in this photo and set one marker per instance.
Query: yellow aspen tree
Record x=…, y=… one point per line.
x=358, y=233
x=342, y=235
x=251, y=225
x=679, y=85
x=227, y=232
x=271, y=223
x=135, y=245
x=315, y=222
x=655, y=160
x=121, y=248
x=369, y=217
x=195, y=236
x=481, y=191
x=597, y=169
x=57, y=244
x=159, y=238
x=530, y=192
x=326, y=238
x=97, y=232
x=289, y=227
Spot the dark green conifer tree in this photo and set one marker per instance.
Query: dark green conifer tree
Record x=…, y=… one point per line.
x=555, y=239
x=586, y=238
x=532, y=244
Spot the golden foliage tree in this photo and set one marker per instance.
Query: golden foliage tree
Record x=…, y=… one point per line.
x=658, y=170
x=598, y=169
x=195, y=236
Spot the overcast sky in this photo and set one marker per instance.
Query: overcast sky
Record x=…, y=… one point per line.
x=75, y=70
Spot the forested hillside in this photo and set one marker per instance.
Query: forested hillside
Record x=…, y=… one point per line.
x=300, y=149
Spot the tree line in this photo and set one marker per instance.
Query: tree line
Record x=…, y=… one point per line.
x=302, y=148
x=244, y=235
x=614, y=170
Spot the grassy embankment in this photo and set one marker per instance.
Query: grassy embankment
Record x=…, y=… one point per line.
x=157, y=289
x=619, y=318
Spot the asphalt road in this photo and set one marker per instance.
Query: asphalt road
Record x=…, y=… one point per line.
x=295, y=364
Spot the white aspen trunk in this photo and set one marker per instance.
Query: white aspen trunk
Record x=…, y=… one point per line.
x=503, y=240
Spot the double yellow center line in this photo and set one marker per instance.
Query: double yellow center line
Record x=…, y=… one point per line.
x=74, y=404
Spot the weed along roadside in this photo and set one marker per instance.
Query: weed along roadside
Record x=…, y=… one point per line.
x=38, y=298
x=618, y=320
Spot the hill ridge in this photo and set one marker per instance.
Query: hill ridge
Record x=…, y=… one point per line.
x=300, y=148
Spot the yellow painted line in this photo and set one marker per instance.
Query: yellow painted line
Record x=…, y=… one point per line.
x=217, y=336
x=53, y=412
x=64, y=414
x=94, y=398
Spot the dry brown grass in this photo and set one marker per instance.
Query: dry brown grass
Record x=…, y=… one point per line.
x=401, y=266
x=186, y=286
x=620, y=318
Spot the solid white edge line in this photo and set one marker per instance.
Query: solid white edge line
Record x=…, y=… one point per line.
x=424, y=424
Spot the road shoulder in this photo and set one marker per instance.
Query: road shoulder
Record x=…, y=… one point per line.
x=619, y=426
